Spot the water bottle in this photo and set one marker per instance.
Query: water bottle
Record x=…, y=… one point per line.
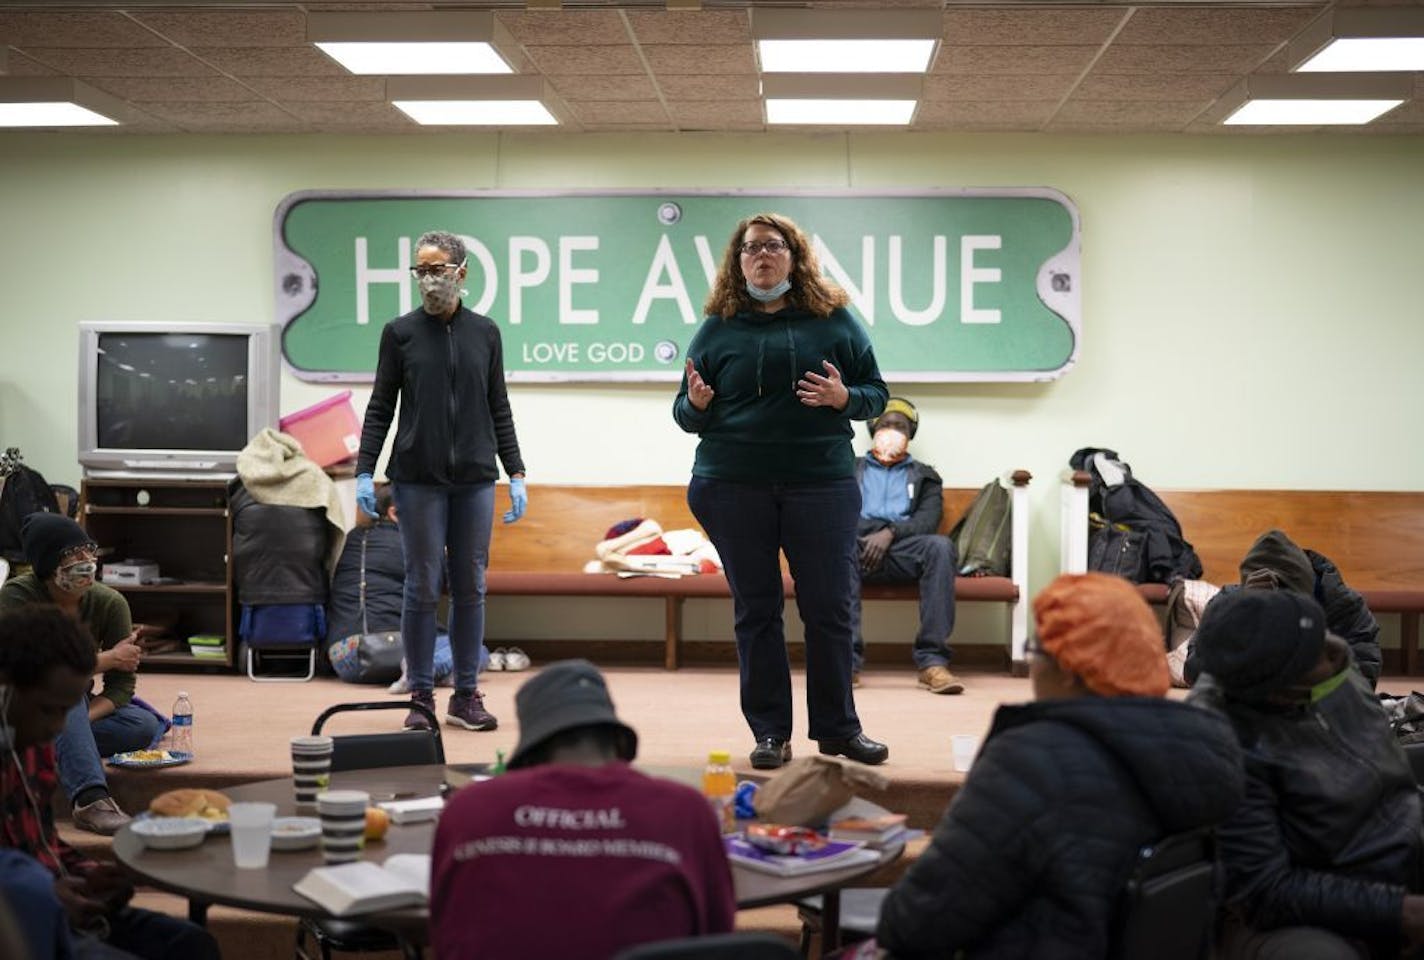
x=719, y=786
x=182, y=733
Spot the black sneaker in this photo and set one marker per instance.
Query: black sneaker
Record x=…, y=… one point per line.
x=468, y=710
x=415, y=720
x=770, y=753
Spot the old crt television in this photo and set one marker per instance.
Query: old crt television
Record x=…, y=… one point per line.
x=173, y=399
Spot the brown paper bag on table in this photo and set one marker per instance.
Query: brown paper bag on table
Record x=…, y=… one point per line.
x=807, y=790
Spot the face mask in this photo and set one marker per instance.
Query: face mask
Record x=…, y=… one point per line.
x=770, y=293
x=890, y=445
x=77, y=577
x=439, y=292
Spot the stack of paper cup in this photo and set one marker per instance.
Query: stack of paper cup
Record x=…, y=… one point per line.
x=343, y=824
x=311, y=768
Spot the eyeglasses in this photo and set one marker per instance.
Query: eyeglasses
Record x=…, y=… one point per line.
x=753, y=247
x=433, y=269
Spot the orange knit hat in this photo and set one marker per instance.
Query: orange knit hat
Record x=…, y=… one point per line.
x=1098, y=627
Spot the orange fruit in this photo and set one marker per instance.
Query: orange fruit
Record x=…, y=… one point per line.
x=377, y=822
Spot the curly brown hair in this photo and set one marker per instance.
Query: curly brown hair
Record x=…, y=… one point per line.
x=809, y=290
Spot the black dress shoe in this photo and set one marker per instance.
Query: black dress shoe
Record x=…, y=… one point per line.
x=770, y=753
x=859, y=748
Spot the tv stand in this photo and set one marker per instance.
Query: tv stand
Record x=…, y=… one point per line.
x=185, y=527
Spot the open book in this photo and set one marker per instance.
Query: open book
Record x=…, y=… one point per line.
x=835, y=855
x=363, y=886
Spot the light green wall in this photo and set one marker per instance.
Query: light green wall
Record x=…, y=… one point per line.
x=1253, y=314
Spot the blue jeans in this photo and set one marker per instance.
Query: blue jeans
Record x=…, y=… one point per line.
x=28, y=890
x=81, y=744
x=929, y=560
x=750, y=524
x=146, y=935
x=452, y=522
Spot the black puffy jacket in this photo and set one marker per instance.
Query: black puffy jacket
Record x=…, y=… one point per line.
x=278, y=552
x=1328, y=833
x=1032, y=854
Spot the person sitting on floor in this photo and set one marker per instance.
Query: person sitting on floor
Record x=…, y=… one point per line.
x=46, y=661
x=1323, y=856
x=627, y=858
x=379, y=540
x=901, y=505
x=1031, y=855
x=64, y=563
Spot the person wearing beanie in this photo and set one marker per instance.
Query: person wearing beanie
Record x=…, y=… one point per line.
x=1323, y=856
x=64, y=567
x=1030, y=857
x=901, y=505
x=627, y=858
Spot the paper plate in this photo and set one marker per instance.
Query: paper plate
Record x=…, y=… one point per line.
x=214, y=826
x=145, y=758
x=295, y=833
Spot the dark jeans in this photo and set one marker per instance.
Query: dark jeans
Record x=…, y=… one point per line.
x=814, y=523
x=444, y=522
x=929, y=560
x=81, y=744
x=148, y=936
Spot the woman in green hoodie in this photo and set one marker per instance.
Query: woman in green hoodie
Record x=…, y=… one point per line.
x=773, y=379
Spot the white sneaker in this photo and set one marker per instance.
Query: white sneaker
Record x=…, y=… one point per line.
x=496, y=660
x=516, y=659
x=402, y=685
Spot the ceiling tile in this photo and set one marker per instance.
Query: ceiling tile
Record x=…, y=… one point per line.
x=600, y=87
x=327, y=112
x=1135, y=58
x=1411, y=111
x=1058, y=26
x=1014, y=60
x=344, y=89
x=85, y=30
x=949, y=86
x=19, y=65
x=1278, y=62
x=547, y=28
x=690, y=26
x=1140, y=86
x=228, y=28
x=1176, y=113
x=211, y=116
x=674, y=59
x=1215, y=25
x=716, y=115
x=1007, y=112
x=725, y=87
x=633, y=111
x=562, y=61
x=928, y=120
x=271, y=61
x=175, y=89
x=121, y=62
x=627, y=127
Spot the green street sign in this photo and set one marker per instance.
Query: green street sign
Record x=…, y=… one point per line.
x=952, y=285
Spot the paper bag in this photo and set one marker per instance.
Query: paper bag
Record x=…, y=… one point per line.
x=809, y=789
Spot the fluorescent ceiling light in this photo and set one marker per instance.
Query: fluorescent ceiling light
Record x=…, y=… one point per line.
x=845, y=56
x=498, y=113
x=422, y=43
x=848, y=113
x=846, y=41
x=1361, y=40
x=1310, y=112
x=1314, y=98
x=474, y=101
x=57, y=102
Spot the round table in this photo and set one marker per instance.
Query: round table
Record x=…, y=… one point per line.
x=205, y=874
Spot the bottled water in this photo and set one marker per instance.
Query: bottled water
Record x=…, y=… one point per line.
x=183, y=724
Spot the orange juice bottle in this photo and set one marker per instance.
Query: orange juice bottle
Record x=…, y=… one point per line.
x=719, y=786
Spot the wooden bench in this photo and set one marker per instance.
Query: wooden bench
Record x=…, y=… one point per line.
x=1376, y=538
x=543, y=555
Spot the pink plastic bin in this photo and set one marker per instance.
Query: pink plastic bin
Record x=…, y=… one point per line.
x=328, y=431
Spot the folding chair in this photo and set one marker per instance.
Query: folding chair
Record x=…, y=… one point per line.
x=364, y=751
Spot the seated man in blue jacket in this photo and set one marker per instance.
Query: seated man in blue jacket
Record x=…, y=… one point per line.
x=1323, y=857
x=901, y=504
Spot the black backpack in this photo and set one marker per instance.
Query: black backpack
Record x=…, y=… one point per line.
x=1132, y=532
x=983, y=538
x=23, y=491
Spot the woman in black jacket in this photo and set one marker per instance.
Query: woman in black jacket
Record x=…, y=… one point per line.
x=1031, y=856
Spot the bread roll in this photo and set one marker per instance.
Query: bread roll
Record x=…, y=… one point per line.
x=208, y=804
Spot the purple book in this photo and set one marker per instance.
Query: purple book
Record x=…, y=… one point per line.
x=835, y=855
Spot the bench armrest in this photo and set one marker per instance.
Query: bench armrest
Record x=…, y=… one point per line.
x=1018, y=567
x=1073, y=521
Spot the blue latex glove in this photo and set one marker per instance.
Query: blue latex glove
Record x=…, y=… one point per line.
x=518, y=500
x=366, y=494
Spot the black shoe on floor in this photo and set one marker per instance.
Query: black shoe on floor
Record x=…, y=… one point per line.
x=859, y=748
x=770, y=753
